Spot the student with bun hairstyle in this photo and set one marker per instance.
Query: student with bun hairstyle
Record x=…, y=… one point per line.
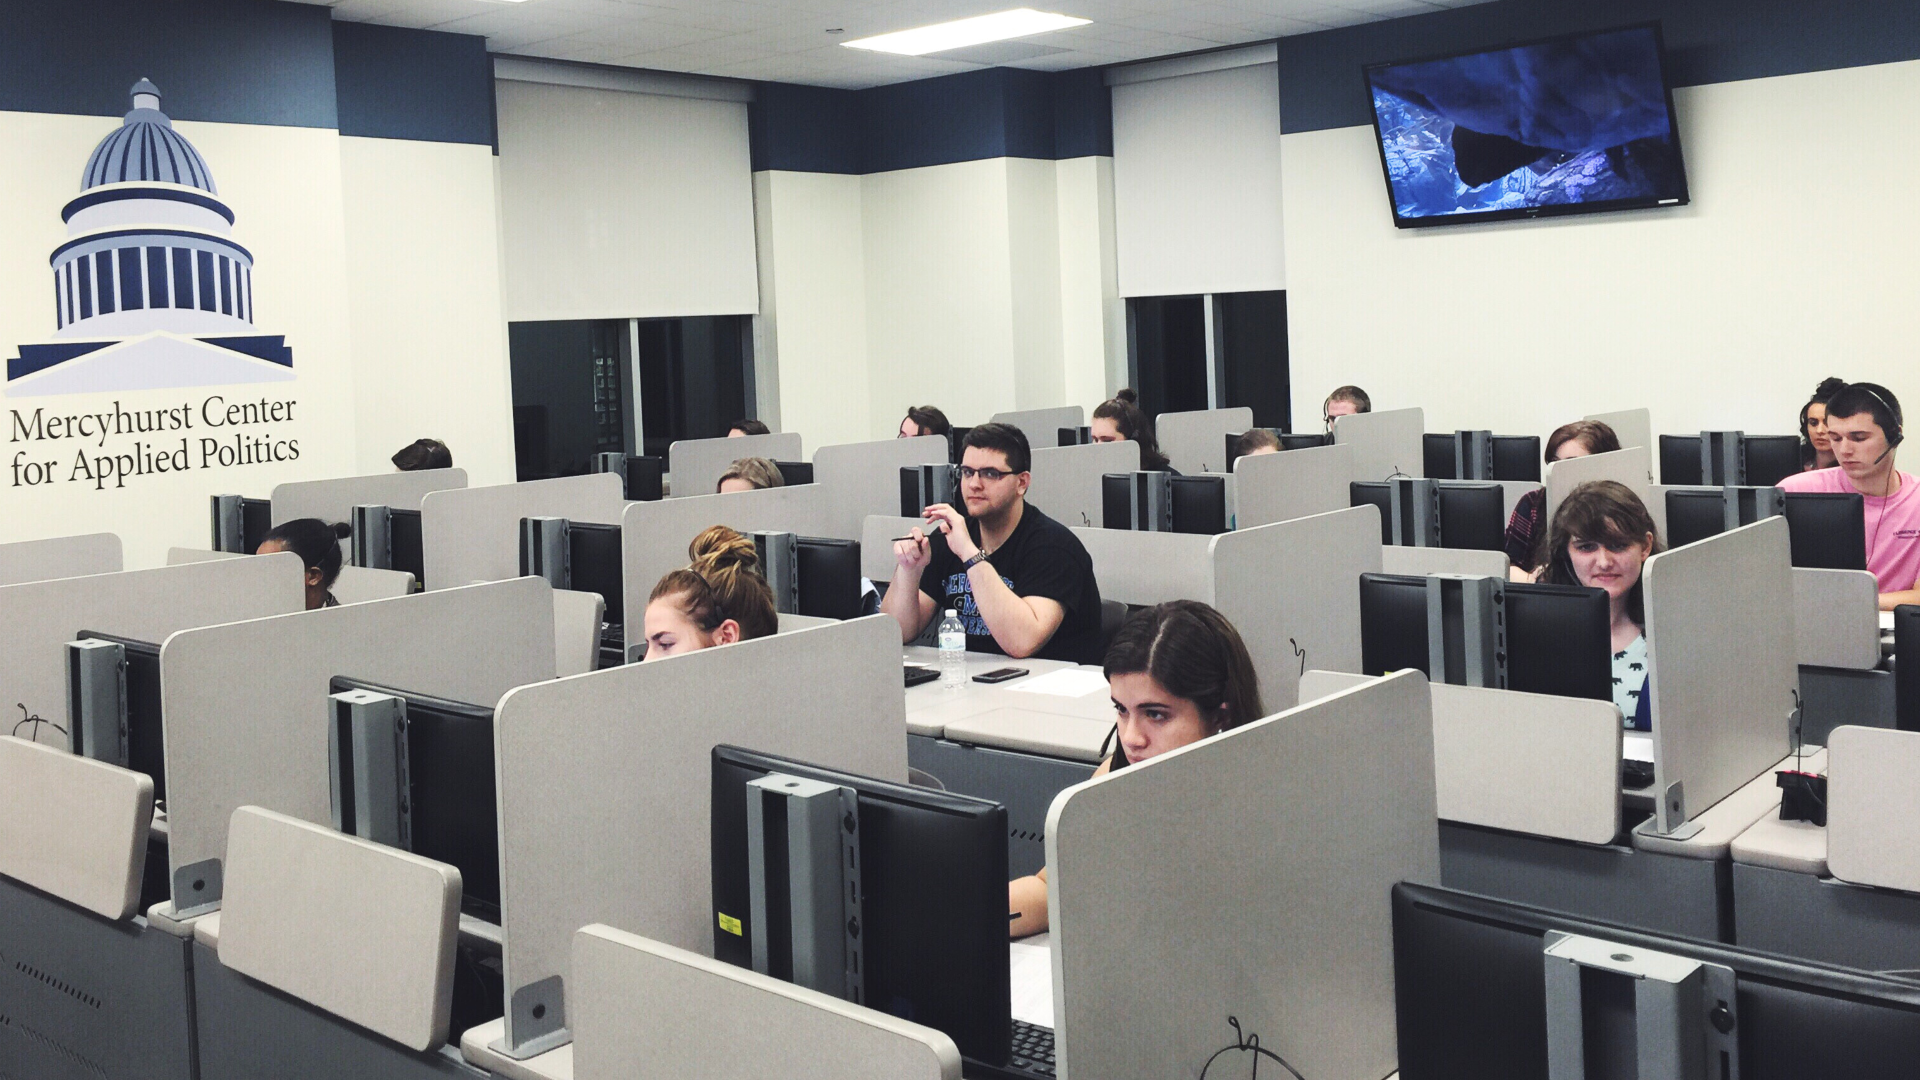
x=1582, y=438
x=1816, y=449
x=1602, y=536
x=318, y=545
x=1119, y=419
x=1178, y=673
x=717, y=599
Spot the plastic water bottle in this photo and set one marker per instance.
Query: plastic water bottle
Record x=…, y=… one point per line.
x=953, y=652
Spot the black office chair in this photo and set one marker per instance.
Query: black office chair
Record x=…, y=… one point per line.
x=1112, y=614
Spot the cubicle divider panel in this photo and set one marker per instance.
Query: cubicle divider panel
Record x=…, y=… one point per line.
x=1145, y=568
x=334, y=500
x=654, y=535
x=1634, y=427
x=1628, y=466
x=469, y=535
x=1512, y=491
x=694, y=466
x=1042, y=426
x=864, y=478
x=355, y=585
x=1196, y=442
x=1836, y=618
x=179, y=556
x=38, y=618
x=246, y=704
x=877, y=534
x=636, y=1001
x=1316, y=683
x=1530, y=763
x=1066, y=479
x=73, y=827
x=1721, y=669
x=1317, y=812
x=1292, y=484
x=577, y=617
x=1385, y=444
x=1873, y=815
x=1421, y=561
x=60, y=557
x=1292, y=589
x=605, y=781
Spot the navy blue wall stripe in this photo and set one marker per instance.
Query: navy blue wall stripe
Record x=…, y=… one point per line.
x=237, y=61
x=994, y=112
x=396, y=83
x=1708, y=41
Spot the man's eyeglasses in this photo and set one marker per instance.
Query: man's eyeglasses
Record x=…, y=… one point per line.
x=967, y=472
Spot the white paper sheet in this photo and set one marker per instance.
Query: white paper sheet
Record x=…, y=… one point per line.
x=1030, y=968
x=1070, y=682
x=1636, y=746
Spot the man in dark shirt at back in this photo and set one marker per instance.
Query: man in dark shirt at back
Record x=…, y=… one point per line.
x=1020, y=581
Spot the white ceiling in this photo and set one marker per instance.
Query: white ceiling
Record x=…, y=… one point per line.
x=789, y=40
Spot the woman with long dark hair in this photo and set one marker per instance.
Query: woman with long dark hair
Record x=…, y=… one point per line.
x=1601, y=537
x=1120, y=420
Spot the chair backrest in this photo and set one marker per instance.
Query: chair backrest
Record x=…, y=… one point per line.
x=74, y=827
x=362, y=931
x=1112, y=614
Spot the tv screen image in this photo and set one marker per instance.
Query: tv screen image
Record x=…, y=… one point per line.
x=1574, y=124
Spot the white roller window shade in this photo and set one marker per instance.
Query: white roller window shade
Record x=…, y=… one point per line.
x=1196, y=183
x=620, y=205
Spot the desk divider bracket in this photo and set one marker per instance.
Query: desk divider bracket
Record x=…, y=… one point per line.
x=1683, y=1022
x=803, y=874
x=1467, y=629
x=545, y=550
x=372, y=543
x=779, y=554
x=539, y=1020
x=1473, y=455
x=368, y=767
x=97, y=700
x=1414, y=506
x=200, y=885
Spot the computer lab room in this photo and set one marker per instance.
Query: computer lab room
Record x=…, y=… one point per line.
x=942, y=540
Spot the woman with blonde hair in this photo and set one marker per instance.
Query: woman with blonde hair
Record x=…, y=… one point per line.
x=717, y=599
x=749, y=474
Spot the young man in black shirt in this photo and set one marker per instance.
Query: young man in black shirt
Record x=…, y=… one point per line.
x=1020, y=581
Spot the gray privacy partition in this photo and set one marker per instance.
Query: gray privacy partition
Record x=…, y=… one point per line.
x=654, y=535
x=37, y=619
x=355, y=585
x=246, y=703
x=1385, y=444
x=1042, y=426
x=696, y=465
x=605, y=786
x=877, y=533
x=1292, y=588
x=473, y=534
x=1627, y=466
x=864, y=478
x=59, y=557
x=334, y=500
x=1721, y=666
x=1196, y=442
x=1291, y=484
x=1634, y=427
x=1066, y=479
x=1247, y=875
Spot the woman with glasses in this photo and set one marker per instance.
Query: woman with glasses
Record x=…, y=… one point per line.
x=717, y=599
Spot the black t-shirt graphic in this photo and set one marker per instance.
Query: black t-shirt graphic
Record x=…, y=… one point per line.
x=1041, y=558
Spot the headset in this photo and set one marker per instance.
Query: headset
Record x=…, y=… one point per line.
x=1897, y=432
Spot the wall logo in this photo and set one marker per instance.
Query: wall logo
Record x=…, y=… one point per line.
x=150, y=289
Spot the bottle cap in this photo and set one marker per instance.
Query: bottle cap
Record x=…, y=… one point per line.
x=951, y=614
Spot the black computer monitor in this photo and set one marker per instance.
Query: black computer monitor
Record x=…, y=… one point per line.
x=1472, y=512
x=1559, y=639
x=955, y=438
x=1680, y=460
x=1436, y=456
x=1075, y=436
x=146, y=739
x=1695, y=514
x=1303, y=442
x=1906, y=667
x=1199, y=504
x=403, y=536
x=1116, y=500
x=1516, y=457
x=1828, y=529
x=646, y=478
x=593, y=553
x=1770, y=458
x=933, y=873
x=450, y=790
x=795, y=472
x=1470, y=996
x=830, y=579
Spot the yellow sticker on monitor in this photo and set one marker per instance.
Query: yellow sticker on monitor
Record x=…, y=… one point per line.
x=728, y=923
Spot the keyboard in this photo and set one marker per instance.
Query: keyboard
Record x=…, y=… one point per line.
x=1636, y=775
x=915, y=674
x=1032, y=1056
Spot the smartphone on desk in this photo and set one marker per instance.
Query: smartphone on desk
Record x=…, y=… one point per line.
x=1000, y=675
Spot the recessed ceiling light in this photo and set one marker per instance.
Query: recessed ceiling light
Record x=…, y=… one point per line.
x=1018, y=23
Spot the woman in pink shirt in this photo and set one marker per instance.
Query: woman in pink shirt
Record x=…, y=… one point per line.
x=1863, y=425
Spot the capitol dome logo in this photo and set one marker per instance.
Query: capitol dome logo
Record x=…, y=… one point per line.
x=150, y=289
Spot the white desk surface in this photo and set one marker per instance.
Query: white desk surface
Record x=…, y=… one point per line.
x=1727, y=819
x=931, y=707
x=556, y=1064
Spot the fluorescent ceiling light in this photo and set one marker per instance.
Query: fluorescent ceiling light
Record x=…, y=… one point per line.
x=1018, y=23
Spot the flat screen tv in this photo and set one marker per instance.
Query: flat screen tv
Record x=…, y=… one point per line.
x=1568, y=125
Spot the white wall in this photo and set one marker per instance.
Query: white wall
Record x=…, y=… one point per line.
x=810, y=351
x=430, y=342
x=1795, y=261
x=1093, y=318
